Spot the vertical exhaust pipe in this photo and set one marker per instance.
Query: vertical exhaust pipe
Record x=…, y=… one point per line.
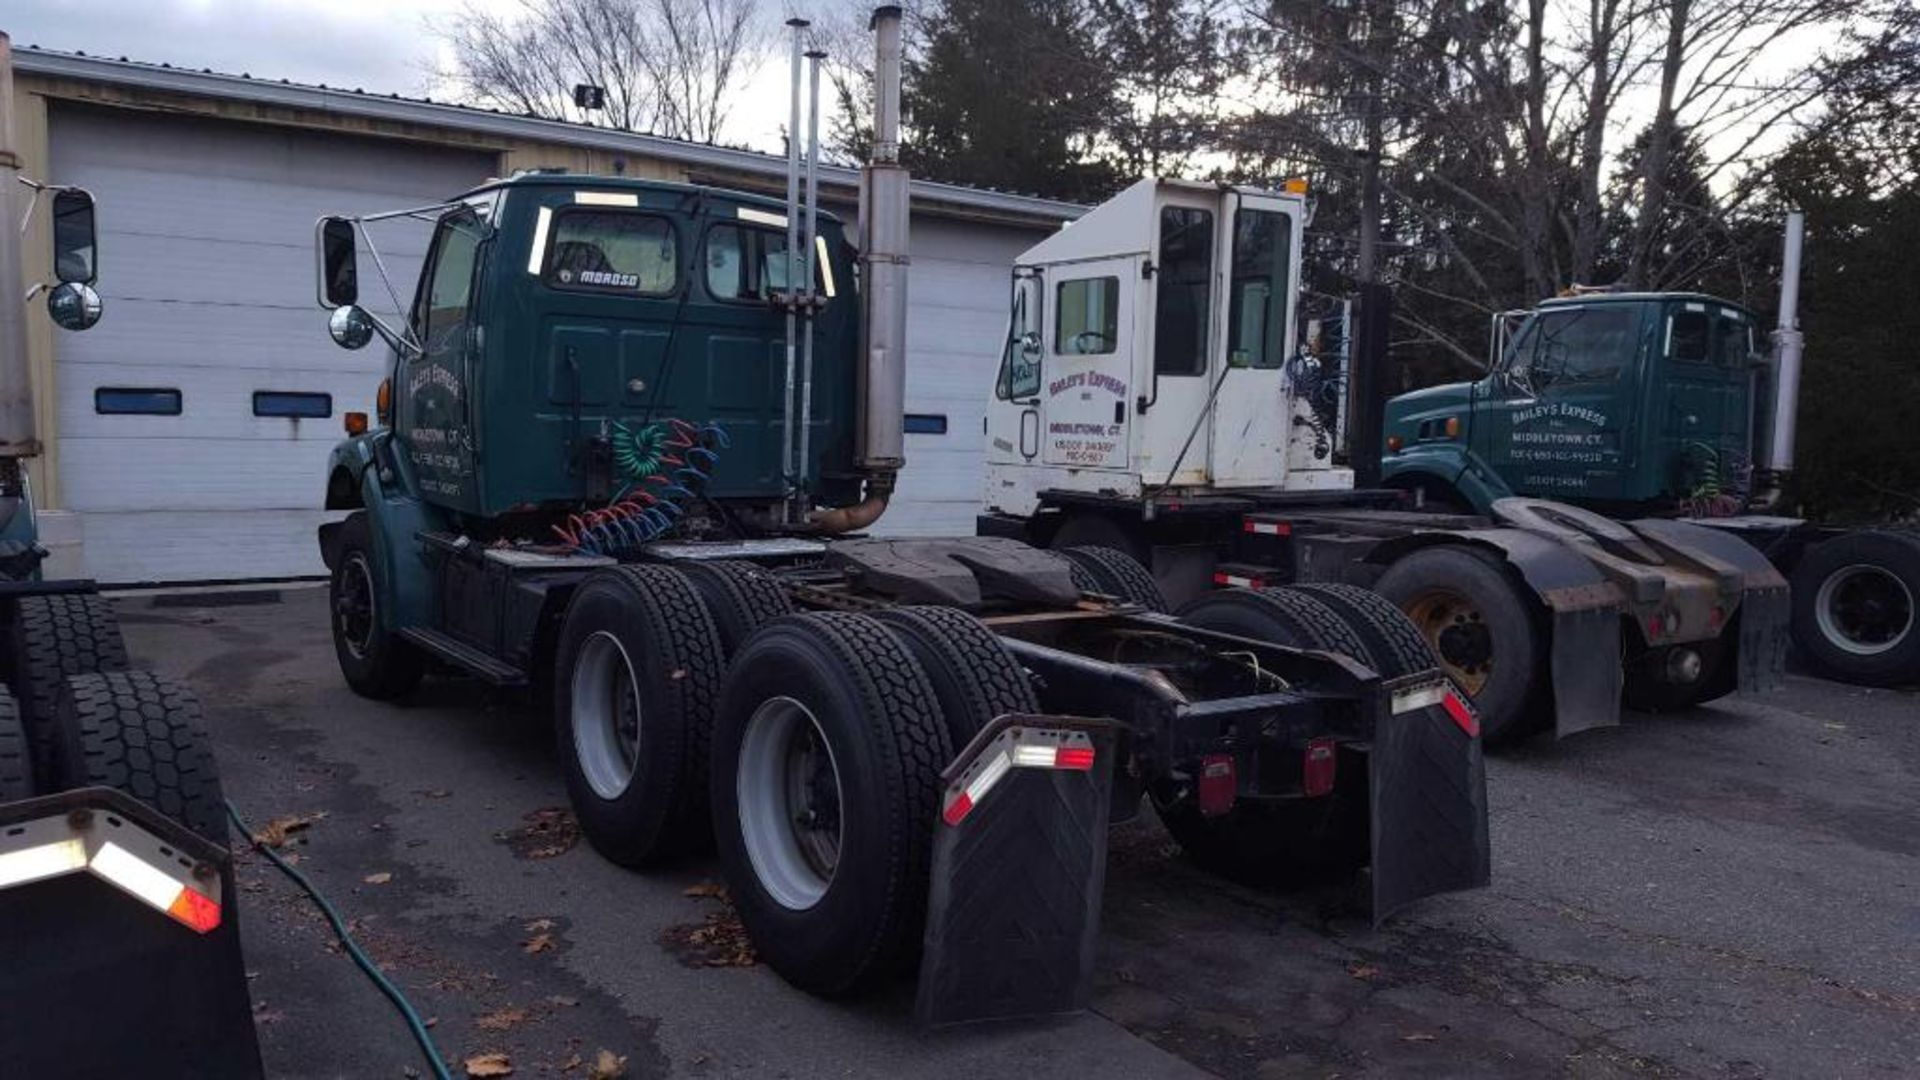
x=809, y=246
x=1788, y=346
x=788, y=471
x=882, y=400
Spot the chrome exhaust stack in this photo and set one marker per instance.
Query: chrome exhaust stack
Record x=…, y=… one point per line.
x=1788, y=346
x=882, y=393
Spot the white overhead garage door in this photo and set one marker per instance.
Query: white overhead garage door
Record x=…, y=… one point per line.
x=206, y=266
x=957, y=297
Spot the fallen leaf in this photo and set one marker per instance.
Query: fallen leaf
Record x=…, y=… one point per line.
x=281, y=829
x=435, y=793
x=430, y=1021
x=380, y=878
x=538, y=943
x=607, y=1066
x=1418, y=1036
x=548, y=832
x=1363, y=971
x=563, y=1001
x=538, y=925
x=501, y=1019
x=708, y=889
x=494, y=1064
x=571, y=1063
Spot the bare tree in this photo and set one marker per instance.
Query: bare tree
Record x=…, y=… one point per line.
x=668, y=66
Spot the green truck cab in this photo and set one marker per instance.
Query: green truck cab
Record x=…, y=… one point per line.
x=1628, y=403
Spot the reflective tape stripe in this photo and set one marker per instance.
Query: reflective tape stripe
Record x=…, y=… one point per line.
x=605, y=198
x=42, y=861
x=142, y=879
x=1418, y=697
x=1015, y=748
x=1268, y=528
x=1236, y=580
x=118, y=852
x=538, y=255
x=761, y=217
x=1462, y=714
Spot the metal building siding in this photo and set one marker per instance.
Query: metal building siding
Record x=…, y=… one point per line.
x=957, y=297
x=206, y=255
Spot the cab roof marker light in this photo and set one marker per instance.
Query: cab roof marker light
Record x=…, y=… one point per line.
x=42, y=861
x=538, y=254
x=605, y=198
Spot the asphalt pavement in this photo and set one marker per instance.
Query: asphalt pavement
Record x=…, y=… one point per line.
x=1728, y=892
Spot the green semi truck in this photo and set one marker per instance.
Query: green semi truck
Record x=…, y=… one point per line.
x=632, y=434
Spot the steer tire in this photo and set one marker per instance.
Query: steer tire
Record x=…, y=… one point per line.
x=636, y=671
x=1449, y=586
x=975, y=677
x=144, y=735
x=16, y=759
x=741, y=596
x=52, y=637
x=376, y=662
x=1886, y=561
x=1392, y=640
x=1115, y=573
x=845, y=683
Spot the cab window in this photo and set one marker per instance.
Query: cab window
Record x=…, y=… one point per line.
x=1088, y=319
x=1183, y=291
x=612, y=251
x=751, y=264
x=1575, y=345
x=1020, y=361
x=1257, y=319
x=449, y=290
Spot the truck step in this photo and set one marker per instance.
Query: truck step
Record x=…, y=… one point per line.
x=464, y=656
x=1246, y=575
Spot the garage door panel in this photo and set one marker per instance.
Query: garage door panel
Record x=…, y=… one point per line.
x=197, y=546
x=217, y=403
x=107, y=474
x=148, y=334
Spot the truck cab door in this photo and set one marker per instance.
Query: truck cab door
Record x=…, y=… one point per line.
x=433, y=406
x=1253, y=405
x=1088, y=364
x=1555, y=423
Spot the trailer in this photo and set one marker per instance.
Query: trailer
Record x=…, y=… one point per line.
x=1153, y=401
x=116, y=884
x=632, y=438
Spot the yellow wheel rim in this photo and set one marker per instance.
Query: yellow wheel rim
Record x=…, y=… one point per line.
x=1459, y=636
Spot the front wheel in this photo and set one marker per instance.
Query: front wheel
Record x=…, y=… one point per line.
x=1856, y=599
x=377, y=664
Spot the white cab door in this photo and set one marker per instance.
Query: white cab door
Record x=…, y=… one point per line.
x=1086, y=380
x=1253, y=410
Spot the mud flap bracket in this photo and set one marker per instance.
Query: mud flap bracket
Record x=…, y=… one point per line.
x=1019, y=861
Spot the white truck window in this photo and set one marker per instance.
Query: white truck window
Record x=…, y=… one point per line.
x=1087, y=320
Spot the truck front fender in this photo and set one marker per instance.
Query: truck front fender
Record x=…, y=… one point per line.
x=1582, y=610
x=1448, y=466
x=383, y=489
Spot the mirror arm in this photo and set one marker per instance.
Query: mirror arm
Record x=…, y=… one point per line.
x=401, y=342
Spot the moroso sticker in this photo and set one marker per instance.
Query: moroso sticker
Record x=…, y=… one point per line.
x=610, y=278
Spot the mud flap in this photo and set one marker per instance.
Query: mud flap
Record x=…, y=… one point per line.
x=1427, y=787
x=1765, y=618
x=123, y=955
x=1019, y=861
x=1586, y=669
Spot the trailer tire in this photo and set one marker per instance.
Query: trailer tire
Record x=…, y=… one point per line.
x=54, y=636
x=835, y=915
x=144, y=735
x=1115, y=573
x=1282, y=616
x=1856, y=607
x=1095, y=530
x=1392, y=640
x=1477, y=623
x=741, y=596
x=374, y=660
x=16, y=757
x=636, y=672
x=974, y=675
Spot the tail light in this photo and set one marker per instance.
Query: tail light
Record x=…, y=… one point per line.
x=1317, y=767
x=1217, y=786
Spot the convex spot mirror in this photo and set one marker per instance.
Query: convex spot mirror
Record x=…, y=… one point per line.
x=73, y=305
x=73, y=238
x=350, y=326
x=339, y=264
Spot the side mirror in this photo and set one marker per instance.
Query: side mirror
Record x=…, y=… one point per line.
x=339, y=265
x=73, y=239
x=73, y=305
x=350, y=326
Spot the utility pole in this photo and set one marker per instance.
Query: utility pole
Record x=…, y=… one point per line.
x=18, y=436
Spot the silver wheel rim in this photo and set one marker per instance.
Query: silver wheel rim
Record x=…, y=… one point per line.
x=356, y=587
x=788, y=791
x=606, y=715
x=1864, y=610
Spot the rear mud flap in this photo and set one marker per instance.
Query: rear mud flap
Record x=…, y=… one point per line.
x=99, y=980
x=1019, y=861
x=1764, y=616
x=1427, y=785
x=1586, y=670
